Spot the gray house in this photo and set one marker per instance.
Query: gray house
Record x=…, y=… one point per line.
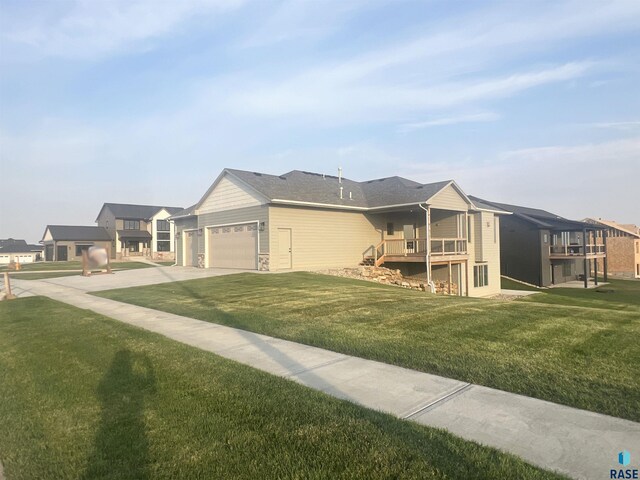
x=306, y=221
x=544, y=249
x=139, y=230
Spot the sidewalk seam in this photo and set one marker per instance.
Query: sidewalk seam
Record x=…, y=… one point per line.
x=435, y=403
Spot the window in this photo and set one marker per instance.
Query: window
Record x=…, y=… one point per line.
x=80, y=248
x=162, y=225
x=163, y=245
x=164, y=236
x=566, y=269
x=480, y=276
x=545, y=238
x=132, y=224
x=390, y=230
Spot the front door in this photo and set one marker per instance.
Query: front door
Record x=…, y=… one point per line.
x=284, y=248
x=61, y=253
x=409, y=236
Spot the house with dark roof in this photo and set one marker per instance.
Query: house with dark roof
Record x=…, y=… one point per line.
x=66, y=242
x=307, y=221
x=12, y=250
x=139, y=230
x=623, y=247
x=545, y=249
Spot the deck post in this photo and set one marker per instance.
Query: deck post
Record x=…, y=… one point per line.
x=604, y=239
x=584, y=246
x=449, y=284
x=595, y=270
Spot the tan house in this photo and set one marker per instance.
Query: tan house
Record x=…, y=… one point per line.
x=623, y=247
x=66, y=242
x=307, y=221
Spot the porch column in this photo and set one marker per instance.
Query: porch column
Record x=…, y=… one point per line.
x=449, y=284
x=604, y=240
x=595, y=270
x=466, y=276
x=584, y=246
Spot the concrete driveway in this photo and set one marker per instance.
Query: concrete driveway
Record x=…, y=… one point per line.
x=130, y=278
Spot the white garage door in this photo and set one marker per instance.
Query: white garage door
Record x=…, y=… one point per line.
x=25, y=258
x=234, y=246
x=4, y=259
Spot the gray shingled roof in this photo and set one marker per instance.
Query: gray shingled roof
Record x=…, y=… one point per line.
x=541, y=218
x=300, y=186
x=185, y=212
x=130, y=211
x=78, y=233
x=20, y=248
x=5, y=242
x=139, y=234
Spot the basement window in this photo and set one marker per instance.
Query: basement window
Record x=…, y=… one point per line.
x=480, y=276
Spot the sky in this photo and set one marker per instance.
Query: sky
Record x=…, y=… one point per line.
x=136, y=101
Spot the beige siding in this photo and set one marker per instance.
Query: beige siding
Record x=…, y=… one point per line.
x=486, y=252
x=229, y=194
x=323, y=238
x=449, y=199
x=444, y=224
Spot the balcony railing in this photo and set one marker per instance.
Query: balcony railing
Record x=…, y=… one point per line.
x=448, y=246
x=575, y=250
x=418, y=246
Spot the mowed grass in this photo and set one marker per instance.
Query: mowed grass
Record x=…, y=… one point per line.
x=44, y=270
x=86, y=397
x=615, y=295
x=583, y=357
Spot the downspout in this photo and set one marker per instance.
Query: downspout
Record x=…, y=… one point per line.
x=427, y=259
x=175, y=244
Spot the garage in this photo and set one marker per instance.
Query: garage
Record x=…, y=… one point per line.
x=234, y=246
x=190, y=246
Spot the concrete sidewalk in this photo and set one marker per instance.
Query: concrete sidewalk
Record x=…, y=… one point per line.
x=578, y=443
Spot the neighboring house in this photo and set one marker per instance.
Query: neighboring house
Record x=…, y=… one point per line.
x=307, y=221
x=623, y=247
x=12, y=250
x=139, y=230
x=66, y=242
x=544, y=249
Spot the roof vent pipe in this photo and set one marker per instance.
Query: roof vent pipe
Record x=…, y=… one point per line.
x=341, y=188
x=340, y=175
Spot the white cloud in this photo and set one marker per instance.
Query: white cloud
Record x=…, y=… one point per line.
x=576, y=181
x=349, y=102
x=453, y=120
x=88, y=28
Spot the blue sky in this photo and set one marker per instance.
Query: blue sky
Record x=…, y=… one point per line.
x=534, y=103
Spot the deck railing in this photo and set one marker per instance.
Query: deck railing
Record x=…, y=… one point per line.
x=576, y=250
x=418, y=246
x=449, y=246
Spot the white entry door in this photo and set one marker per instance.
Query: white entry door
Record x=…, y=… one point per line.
x=284, y=249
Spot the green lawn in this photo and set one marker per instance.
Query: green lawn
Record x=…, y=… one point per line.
x=43, y=270
x=42, y=266
x=616, y=295
x=85, y=397
x=582, y=357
